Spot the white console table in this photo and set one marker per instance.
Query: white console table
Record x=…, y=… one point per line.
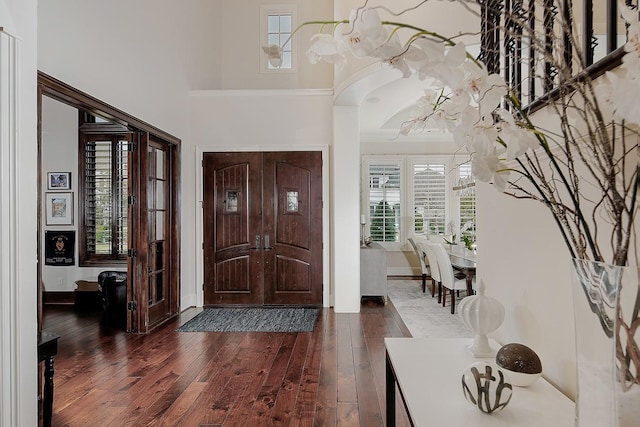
x=428, y=373
x=373, y=270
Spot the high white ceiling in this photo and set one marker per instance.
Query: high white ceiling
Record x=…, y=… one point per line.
x=386, y=100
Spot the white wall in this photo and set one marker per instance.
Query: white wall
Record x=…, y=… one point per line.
x=524, y=264
x=254, y=120
x=346, y=210
x=18, y=327
x=161, y=50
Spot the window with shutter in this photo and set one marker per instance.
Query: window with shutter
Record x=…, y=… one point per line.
x=412, y=195
x=467, y=202
x=104, y=175
x=429, y=197
x=384, y=201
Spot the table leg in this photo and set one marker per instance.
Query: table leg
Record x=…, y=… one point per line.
x=47, y=405
x=390, y=394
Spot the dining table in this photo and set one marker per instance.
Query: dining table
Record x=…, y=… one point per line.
x=465, y=262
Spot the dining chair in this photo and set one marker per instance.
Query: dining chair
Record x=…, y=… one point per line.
x=423, y=263
x=434, y=269
x=449, y=280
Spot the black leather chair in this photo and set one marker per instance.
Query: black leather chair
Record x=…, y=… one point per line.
x=113, y=292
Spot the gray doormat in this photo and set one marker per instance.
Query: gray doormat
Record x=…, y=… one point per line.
x=254, y=319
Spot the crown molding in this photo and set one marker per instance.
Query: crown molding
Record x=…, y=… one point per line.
x=225, y=93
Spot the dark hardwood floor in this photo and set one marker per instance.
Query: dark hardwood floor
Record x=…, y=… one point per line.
x=334, y=376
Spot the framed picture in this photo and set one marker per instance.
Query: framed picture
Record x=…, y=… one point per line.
x=60, y=247
x=59, y=208
x=58, y=180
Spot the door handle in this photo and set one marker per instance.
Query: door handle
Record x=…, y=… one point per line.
x=267, y=247
x=257, y=246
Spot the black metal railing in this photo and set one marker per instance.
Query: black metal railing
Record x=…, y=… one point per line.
x=536, y=44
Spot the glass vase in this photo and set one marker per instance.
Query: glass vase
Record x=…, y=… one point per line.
x=606, y=301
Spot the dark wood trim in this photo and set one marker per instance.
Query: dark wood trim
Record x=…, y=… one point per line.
x=612, y=25
x=587, y=33
x=58, y=297
x=61, y=91
x=40, y=234
x=176, y=231
x=594, y=71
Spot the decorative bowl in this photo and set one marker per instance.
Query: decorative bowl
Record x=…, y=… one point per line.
x=522, y=363
x=521, y=379
x=486, y=386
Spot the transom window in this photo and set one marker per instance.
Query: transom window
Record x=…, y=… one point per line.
x=278, y=32
x=276, y=25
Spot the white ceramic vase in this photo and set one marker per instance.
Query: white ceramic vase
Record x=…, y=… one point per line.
x=483, y=315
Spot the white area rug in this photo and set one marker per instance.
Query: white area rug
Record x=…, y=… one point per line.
x=422, y=314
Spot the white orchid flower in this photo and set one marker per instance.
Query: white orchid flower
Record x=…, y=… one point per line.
x=477, y=133
x=629, y=15
x=325, y=47
x=518, y=140
x=367, y=33
x=393, y=53
x=487, y=167
x=631, y=60
x=440, y=63
x=481, y=132
x=457, y=101
x=274, y=54
x=432, y=54
x=486, y=89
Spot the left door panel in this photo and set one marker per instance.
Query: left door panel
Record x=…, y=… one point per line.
x=232, y=229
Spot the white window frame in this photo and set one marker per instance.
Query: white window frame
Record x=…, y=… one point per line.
x=406, y=163
x=277, y=9
x=392, y=161
x=409, y=202
x=458, y=196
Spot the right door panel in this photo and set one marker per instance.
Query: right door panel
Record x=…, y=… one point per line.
x=293, y=226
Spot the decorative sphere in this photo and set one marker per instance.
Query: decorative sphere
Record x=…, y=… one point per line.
x=486, y=386
x=521, y=362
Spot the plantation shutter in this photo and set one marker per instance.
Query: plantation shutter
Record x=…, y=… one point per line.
x=467, y=201
x=429, y=198
x=122, y=180
x=106, y=190
x=384, y=202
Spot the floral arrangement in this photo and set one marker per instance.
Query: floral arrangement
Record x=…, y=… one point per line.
x=592, y=147
x=579, y=158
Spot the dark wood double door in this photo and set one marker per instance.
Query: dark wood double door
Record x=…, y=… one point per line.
x=262, y=228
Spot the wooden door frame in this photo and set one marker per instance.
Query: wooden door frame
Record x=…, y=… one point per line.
x=55, y=89
x=327, y=288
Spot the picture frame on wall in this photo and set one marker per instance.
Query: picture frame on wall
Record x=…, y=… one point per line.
x=60, y=247
x=58, y=180
x=59, y=208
